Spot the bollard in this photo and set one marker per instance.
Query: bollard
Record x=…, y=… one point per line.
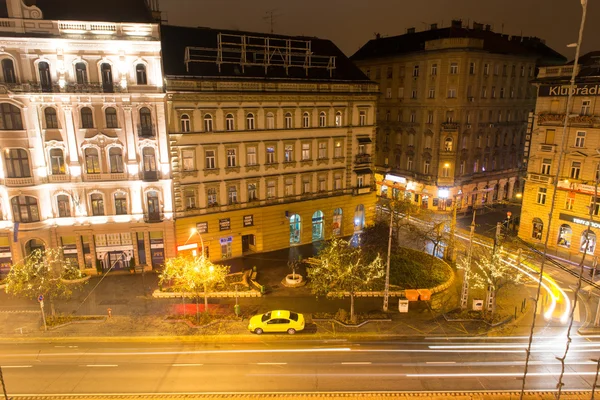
x=109, y=312
x=237, y=310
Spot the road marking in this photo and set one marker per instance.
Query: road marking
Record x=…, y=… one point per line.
x=271, y=363
x=16, y=366
x=497, y=374
x=357, y=363
x=440, y=362
x=101, y=365
x=188, y=365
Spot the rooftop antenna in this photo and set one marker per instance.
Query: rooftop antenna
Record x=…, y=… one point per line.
x=270, y=18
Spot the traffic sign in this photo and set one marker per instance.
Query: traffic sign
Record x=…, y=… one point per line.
x=41, y=298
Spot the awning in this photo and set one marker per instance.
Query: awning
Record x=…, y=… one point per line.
x=363, y=171
x=364, y=140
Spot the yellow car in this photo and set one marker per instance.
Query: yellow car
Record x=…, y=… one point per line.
x=277, y=321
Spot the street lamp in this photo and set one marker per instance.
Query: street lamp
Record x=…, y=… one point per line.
x=195, y=230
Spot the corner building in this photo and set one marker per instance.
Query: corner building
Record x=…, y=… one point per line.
x=453, y=112
x=84, y=153
x=271, y=140
x=580, y=166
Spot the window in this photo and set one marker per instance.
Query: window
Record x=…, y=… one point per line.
x=270, y=121
x=427, y=144
x=462, y=167
x=270, y=155
x=522, y=70
x=153, y=206
x=107, y=78
x=569, y=203
x=306, y=185
x=187, y=160
x=306, y=151
x=476, y=166
x=431, y=93
x=585, y=107
x=388, y=93
x=323, y=117
x=110, y=114
x=210, y=159
x=388, y=113
x=87, y=120
x=541, y=195
x=472, y=68
x=594, y=204
x=362, y=118
x=231, y=158
x=115, y=155
x=189, y=197
x=400, y=92
x=486, y=69
x=271, y=190
x=92, y=161
x=416, y=71
x=575, y=169
x=149, y=159
x=140, y=74
x=232, y=195
x=483, y=92
x=17, y=163
x=413, y=94
x=409, y=163
x=252, y=192
x=504, y=71
x=289, y=187
x=81, y=73
x=390, y=72
x=337, y=182
x=546, y=166
x=322, y=150
x=97, y=204
x=502, y=93
x=512, y=92
x=580, y=139
x=185, y=123
x=588, y=242
x=120, y=203
x=433, y=70
x=338, y=119
x=305, y=120
x=549, y=136
x=57, y=162
x=250, y=122
x=288, y=121
x=337, y=149
x=446, y=170
x=538, y=229
x=448, y=144
x=453, y=68
x=493, y=92
x=413, y=116
x=45, y=78
x=564, y=235
x=229, y=122
x=430, y=117
x=64, y=206
x=426, y=165
x=322, y=183
x=10, y=117
x=25, y=209
x=451, y=93
x=288, y=153
x=51, y=119
x=251, y=155
x=8, y=71
x=411, y=139
x=208, y=123
x=211, y=197
x=377, y=73
x=496, y=69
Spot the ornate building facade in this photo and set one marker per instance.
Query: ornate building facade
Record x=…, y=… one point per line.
x=85, y=157
x=570, y=228
x=271, y=140
x=452, y=113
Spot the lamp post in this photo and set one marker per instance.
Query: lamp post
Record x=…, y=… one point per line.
x=192, y=232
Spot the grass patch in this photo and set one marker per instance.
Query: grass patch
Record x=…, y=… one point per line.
x=202, y=318
x=61, y=319
x=343, y=316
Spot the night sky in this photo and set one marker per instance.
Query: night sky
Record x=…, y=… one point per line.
x=350, y=23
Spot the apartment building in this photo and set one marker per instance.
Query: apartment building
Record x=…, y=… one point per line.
x=453, y=112
x=571, y=233
x=85, y=157
x=271, y=140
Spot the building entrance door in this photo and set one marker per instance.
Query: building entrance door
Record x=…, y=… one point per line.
x=247, y=243
x=117, y=260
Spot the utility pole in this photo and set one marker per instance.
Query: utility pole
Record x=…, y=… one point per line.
x=387, y=268
x=464, y=297
x=270, y=18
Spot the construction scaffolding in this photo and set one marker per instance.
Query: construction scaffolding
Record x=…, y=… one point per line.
x=261, y=51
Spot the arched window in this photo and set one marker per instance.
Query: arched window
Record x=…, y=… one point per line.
x=229, y=122
x=81, y=73
x=107, y=78
x=25, y=209
x=153, y=206
x=120, y=203
x=337, y=222
x=92, y=161
x=318, y=228
x=45, y=78
x=63, y=205
x=306, y=120
x=465, y=141
x=564, y=235
x=97, y=202
x=87, y=119
x=322, y=119
x=34, y=245
x=8, y=71
x=51, y=118
x=295, y=229
x=140, y=74
x=448, y=144
x=338, y=118
x=288, y=121
x=212, y=197
x=185, y=123
x=111, y=117
x=270, y=121
x=250, y=121
x=146, y=129
x=17, y=163
x=208, y=123
x=115, y=155
x=588, y=242
x=10, y=117
x=57, y=162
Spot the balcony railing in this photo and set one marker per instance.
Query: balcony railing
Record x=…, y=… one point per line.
x=548, y=148
x=106, y=177
x=59, y=178
x=28, y=181
x=146, y=131
x=153, y=217
x=450, y=126
x=362, y=159
x=539, y=178
x=149, y=176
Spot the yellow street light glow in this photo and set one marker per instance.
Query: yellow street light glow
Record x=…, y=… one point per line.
x=447, y=165
x=519, y=195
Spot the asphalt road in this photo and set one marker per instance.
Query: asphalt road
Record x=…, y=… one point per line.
x=430, y=364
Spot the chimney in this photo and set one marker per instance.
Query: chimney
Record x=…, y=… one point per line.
x=456, y=23
x=433, y=27
x=377, y=35
x=488, y=27
x=477, y=26
x=410, y=30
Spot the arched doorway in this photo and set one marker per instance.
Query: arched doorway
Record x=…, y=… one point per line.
x=295, y=228
x=359, y=218
x=318, y=231
x=337, y=222
x=33, y=245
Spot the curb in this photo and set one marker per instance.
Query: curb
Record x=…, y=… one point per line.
x=351, y=325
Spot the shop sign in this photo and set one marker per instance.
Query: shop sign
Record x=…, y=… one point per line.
x=224, y=224
x=394, y=178
x=70, y=248
x=578, y=187
x=579, y=221
x=248, y=220
x=202, y=227
x=563, y=90
x=157, y=243
x=226, y=240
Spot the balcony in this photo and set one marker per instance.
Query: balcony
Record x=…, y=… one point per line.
x=105, y=177
x=153, y=217
x=28, y=181
x=361, y=190
x=550, y=119
x=146, y=131
x=362, y=159
x=450, y=126
x=149, y=176
x=548, y=148
x=59, y=178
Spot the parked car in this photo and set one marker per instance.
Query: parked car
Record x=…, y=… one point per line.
x=277, y=321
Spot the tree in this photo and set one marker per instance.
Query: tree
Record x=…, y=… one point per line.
x=44, y=272
x=196, y=274
x=492, y=274
x=342, y=268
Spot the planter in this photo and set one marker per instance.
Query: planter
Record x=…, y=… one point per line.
x=75, y=281
x=293, y=280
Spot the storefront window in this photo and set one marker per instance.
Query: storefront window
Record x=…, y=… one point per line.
x=317, y=229
x=590, y=240
x=538, y=228
x=295, y=228
x=384, y=190
x=564, y=235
